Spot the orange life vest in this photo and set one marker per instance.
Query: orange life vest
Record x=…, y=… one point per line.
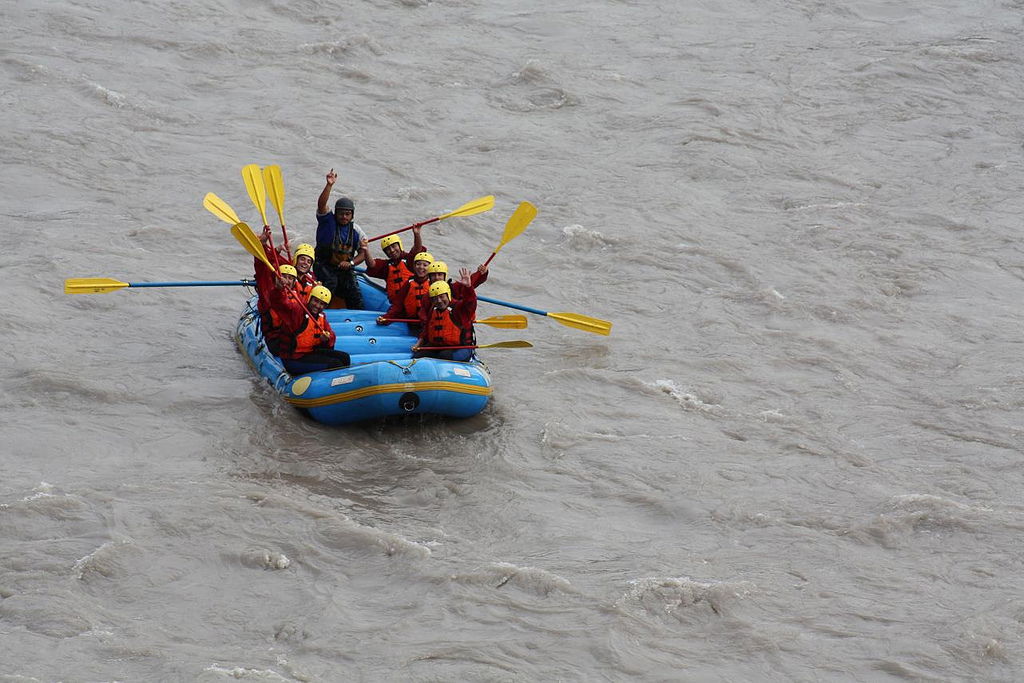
x=309, y=336
x=304, y=284
x=397, y=275
x=415, y=296
x=306, y=339
x=444, y=330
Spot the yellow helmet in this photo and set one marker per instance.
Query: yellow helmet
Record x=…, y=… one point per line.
x=287, y=269
x=322, y=293
x=439, y=288
x=438, y=267
x=389, y=240
x=305, y=250
x=424, y=256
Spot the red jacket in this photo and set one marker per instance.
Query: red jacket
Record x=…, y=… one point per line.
x=269, y=320
x=264, y=281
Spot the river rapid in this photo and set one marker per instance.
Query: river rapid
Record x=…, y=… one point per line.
x=797, y=457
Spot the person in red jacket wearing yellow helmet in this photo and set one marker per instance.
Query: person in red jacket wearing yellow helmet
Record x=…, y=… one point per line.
x=411, y=294
x=305, y=255
x=307, y=340
x=270, y=320
x=266, y=281
x=448, y=323
x=398, y=266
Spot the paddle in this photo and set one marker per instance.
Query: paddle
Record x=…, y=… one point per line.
x=505, y=322
x=254, y=185
x=468, y=209
x=103, y=285
x=275, y=188
x=219, y=208
x=245, y=236
x=580, y=322
x=525, y=213
x=253, y=177
x=496, y=345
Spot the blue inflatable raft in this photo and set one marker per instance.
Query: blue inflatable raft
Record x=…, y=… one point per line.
x=383, y=379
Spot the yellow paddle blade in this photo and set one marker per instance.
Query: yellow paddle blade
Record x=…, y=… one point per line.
x=245, y=236
x=507, y=345
x=517, y=223
x=253, y=177
x=92, y=285
x=469, y=208
x=505, y=322
x=275, y=188
x=582, y=322
x=219, y=208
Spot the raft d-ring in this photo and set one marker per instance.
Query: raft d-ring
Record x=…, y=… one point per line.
x=406, y=369
x=359, y=328
x=372, y=341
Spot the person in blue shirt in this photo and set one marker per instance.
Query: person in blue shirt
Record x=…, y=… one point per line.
x=340, y=246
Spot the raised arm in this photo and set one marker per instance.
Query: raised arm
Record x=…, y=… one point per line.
x=466, y=306
x=417, y=247
x=265, y=277
x=479, y=276
x=321, y=204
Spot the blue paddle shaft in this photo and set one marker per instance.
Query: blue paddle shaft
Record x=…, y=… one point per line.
x=211, y=283
x=505, y=303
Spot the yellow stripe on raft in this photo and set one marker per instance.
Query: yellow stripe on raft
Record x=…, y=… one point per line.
x=402, y=388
